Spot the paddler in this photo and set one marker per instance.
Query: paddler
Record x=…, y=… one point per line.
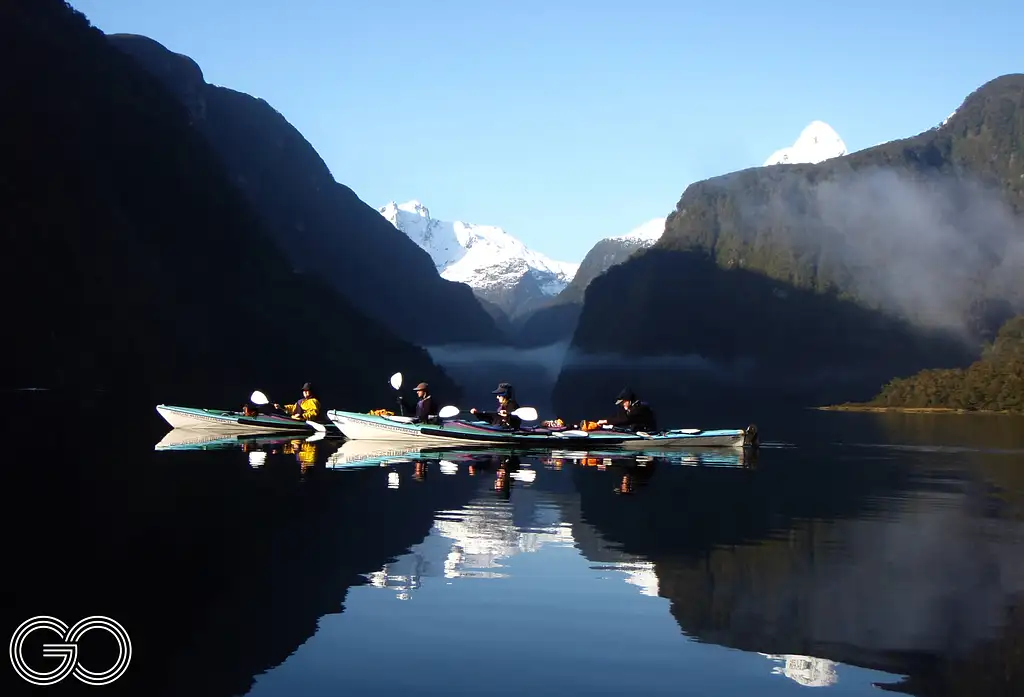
x=635, y=416
x=426, y=407
x=507, y=404
x=305, y=409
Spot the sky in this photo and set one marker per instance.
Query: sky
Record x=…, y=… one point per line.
x=572, y=120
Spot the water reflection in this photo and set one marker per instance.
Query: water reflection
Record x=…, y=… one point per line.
x=713, y=573
x=805, y=670
x=308, y=451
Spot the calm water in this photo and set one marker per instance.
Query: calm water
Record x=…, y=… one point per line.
x=854, y=552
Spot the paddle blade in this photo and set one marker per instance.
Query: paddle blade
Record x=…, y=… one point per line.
x=258, y=398
x=319, y=428
x=525, y=476
x=448, y=412
x=396, y=380
x=571, y=434
x=526, y=413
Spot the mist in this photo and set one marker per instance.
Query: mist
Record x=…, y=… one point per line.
x=919, y=246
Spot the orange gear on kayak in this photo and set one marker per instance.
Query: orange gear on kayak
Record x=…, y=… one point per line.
x=381, y=412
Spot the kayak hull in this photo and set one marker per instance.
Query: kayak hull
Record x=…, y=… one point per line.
x=229, y=422
x=356, y=426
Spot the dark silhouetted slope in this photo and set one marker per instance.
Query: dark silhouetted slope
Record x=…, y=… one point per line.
x=555, y=320
x=322, y=225
x=131, y=263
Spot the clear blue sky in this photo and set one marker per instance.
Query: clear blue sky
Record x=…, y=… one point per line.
x=565, y=121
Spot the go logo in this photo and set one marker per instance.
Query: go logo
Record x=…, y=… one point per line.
x=67, y=650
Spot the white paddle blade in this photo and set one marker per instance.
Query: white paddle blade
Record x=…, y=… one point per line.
x=396, y=380
x=448, y=412
x=526, y=413
x=258, y=398
x=525, y=476
x=319, y=428
x=571, y=434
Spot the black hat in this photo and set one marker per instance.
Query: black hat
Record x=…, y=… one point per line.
x=503, y=388
x=307, y=386
x=626, y=395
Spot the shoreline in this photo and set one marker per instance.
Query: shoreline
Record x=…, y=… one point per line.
x=866, y=408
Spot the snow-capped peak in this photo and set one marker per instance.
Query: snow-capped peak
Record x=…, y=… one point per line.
x=648, y=233
x=817, y=143
x=484, y=257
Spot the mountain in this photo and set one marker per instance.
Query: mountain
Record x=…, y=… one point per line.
x=815, y=283
x=498, y=267
x=817, y=143
x=134, y=266
x=995, y=382
x=555, y=320
x=321, y=226
x=611, y=251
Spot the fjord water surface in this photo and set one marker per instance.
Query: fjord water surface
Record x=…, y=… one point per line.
x=854, y=551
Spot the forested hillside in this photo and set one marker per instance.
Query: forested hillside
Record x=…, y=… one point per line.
x=827, y=278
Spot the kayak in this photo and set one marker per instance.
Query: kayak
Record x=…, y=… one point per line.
x=358, y=426
x=226, y=422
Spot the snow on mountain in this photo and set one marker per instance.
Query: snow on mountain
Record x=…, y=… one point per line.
x=479, y=255
x=817, y=143
x=491, y=261
x=646, y=234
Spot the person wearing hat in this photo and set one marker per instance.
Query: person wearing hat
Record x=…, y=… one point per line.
x=426, y=407
x=635, y=416
x=305, y=409
x=506, y=405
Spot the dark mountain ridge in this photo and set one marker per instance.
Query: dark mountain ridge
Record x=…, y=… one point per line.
x=131, y=263
x=320, y=224
x=555, y=319
x=879, y=263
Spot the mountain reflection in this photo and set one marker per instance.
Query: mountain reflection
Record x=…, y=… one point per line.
x=901, y=567
x=476, y=540
x=846, y=565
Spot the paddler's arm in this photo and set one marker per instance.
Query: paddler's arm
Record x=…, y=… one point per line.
x=311, y=409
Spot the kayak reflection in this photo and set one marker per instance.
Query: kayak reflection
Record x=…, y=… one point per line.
x=307, y=451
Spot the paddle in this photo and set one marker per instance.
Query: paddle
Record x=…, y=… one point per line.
x=396, y=380
x=260, y=399
x=524, y=413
